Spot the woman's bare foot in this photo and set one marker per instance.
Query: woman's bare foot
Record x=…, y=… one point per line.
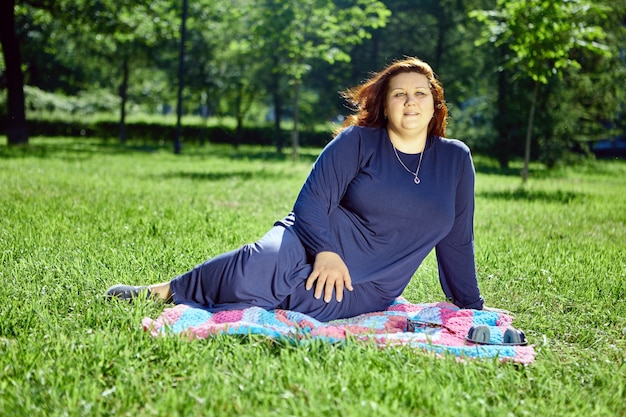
x=161, y=291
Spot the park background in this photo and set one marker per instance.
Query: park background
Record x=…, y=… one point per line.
x=94, y=191
x=542, y=80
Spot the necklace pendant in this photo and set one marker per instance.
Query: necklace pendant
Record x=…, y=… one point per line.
x=416, y=180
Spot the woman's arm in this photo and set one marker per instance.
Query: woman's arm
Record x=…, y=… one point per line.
x=455, y=253
x=323, y=190
x=321, y=194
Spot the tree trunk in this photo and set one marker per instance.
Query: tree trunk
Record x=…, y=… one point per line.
x=375, y=48
x=295, y=137
x=181, y=80
x=239, y=113
x=529, y=130
x=123, y=98
x=502, y=143
x=17, y=132
x=278, y=109
x=441, y=38
x=204, y=105
x=278, y=115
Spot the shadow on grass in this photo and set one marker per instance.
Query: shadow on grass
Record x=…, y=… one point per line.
x=486, y=165
x=495, y=170
x=522, y=194
x=76, y=149
x=253, y=153
x=72, y=149
x=218, y=176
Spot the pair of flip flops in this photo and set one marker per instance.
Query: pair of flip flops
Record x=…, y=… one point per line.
x=482, y=334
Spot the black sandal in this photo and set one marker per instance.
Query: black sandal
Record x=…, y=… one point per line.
x=128, y=292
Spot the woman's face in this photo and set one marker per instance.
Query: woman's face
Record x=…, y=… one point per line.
x=409, y=105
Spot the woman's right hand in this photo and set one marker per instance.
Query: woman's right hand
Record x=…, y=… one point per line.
x=329, y=273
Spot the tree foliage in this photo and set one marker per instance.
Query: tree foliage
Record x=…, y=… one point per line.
x=541, y=34
x=538, y=38
x=296, y=33
x=285, y=61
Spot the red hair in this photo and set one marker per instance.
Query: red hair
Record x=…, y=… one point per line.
x=368, y=99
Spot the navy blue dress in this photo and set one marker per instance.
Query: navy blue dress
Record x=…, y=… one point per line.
x=361, y=203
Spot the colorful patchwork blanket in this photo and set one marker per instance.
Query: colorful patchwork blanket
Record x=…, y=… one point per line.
x=442, y=328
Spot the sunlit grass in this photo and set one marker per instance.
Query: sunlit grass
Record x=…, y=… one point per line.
x=78, y=216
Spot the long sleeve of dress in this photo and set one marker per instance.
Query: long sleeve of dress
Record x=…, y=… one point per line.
x=455, y=252
x=335, y=167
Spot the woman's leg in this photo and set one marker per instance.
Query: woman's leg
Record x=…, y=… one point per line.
x=161, y=291
x=260, y=274
x=269, y=273
x=366, y=297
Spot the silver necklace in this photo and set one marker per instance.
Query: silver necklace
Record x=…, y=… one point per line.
x=416, y=179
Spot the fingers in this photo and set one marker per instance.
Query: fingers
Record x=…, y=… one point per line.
x=319, y=287
x=310, y=280
x=338, y=287
x=325, y=285
x=348, y=283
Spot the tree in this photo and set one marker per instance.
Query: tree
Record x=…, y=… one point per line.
x=17, y=132
x=120, y=32
x=541, y=36
x=226, y=64
x=128, y=31
x=295, y=33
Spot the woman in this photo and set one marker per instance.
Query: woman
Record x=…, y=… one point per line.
x=382, y=194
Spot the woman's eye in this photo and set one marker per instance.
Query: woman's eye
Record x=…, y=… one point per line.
x=399, y=95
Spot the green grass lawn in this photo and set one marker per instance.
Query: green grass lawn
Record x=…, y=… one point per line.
x=78, y=216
